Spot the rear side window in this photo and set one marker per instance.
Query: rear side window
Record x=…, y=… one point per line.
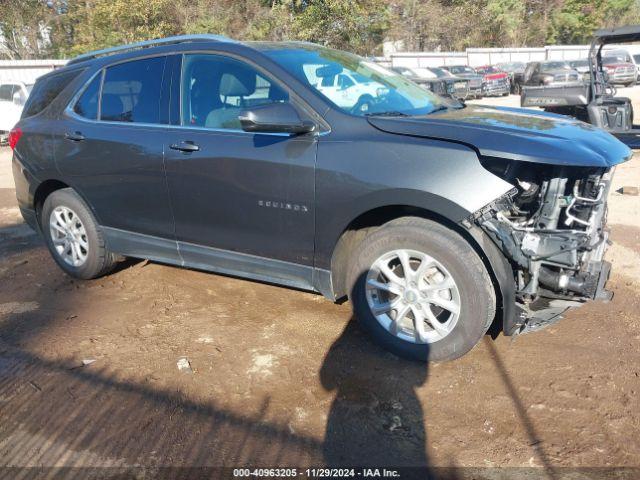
x=87, y=105
x=46, y=90
x=131, y=91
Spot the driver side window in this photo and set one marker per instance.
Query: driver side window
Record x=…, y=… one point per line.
x=215, y=89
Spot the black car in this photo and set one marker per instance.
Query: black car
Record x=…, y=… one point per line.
x=464, y=71
x=435, y=219
x=433, y=84
x=457, y=87
x=437, y=80
x=515, y=70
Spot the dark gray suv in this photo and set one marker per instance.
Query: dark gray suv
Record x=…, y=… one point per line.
x=250, y=159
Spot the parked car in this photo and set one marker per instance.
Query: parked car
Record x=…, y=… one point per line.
x=515, y=70
x=620, y=71
x=457, y=87
x=595, y=101
x=434, y=218
x=582, y=67
x=464, y=71
x=437, y=80
x=346, y=89
x=550, y=73
x=495, y=82
x=13, y=95
x=425, y=78
x=636, y=61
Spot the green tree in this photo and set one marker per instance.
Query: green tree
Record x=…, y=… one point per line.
x=358, y=25
x=95, y=24
x=25, y=27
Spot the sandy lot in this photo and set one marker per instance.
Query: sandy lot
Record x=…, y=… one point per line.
x=88, y=375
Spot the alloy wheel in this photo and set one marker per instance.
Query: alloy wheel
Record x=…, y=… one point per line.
x=69, y=236
x=413, y=296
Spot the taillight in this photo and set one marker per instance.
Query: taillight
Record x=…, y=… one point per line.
x=14, y=137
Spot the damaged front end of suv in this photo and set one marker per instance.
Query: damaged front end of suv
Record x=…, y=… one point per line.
x=551, y=227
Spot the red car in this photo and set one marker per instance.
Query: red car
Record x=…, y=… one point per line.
x=620, y=70
x=495, y=82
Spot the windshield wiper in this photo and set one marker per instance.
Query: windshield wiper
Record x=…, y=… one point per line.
x=439, y=108
x=391, y=113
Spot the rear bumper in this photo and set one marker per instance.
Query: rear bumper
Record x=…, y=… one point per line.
x=30, y=218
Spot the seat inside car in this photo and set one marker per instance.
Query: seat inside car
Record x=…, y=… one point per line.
x=239, y=83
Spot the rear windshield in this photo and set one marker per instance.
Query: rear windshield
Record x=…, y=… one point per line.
x=46, y=90
x=461, y=70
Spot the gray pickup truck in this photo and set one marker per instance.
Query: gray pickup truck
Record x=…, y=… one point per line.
x=594, y=101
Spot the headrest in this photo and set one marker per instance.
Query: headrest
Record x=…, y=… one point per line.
x=111, y=107
x=240, y=83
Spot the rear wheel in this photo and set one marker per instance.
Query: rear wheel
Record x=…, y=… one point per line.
x=74, y=237
x=421, y=290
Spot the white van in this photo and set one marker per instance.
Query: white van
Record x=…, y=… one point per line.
x=13, y=95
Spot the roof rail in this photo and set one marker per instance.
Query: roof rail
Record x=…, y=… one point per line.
x=150, y=43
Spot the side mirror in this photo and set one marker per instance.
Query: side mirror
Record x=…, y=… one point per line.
x=274, y=118
x=17, y=99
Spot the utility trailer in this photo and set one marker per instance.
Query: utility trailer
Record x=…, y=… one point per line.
x=594, y=101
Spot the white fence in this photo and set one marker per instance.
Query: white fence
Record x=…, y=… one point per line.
x=27, y=70
x=490, y=56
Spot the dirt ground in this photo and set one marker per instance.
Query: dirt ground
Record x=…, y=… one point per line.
x=279, y=377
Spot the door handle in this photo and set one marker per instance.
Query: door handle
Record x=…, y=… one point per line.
x=75, y=136
x=186, y=147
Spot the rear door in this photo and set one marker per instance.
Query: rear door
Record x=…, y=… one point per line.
x=110, y=148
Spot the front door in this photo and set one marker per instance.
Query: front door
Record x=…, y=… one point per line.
x=243, y=202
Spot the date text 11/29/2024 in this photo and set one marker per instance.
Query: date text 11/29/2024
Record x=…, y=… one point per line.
x=316, y=473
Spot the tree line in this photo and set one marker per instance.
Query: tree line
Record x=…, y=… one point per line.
x=63, y=28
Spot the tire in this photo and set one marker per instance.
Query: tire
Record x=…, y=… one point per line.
x=475, y=292
x=97, y=260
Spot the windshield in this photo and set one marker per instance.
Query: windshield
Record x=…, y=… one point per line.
x=424, y=72
x=555, y=66
x=511, y=67
x=440, y=73
x=461, y=69
x=612, y=60
x=488, y=69
x=579, y=63
x=356, y=85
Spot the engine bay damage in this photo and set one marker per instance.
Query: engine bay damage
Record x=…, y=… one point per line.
x=551, y=228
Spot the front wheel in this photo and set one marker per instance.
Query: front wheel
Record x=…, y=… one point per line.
x=421, y=290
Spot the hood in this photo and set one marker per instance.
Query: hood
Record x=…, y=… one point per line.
x=495, y=76
x=616, y=65
x=515, y=134
x=424, y=80
x=468, y=75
